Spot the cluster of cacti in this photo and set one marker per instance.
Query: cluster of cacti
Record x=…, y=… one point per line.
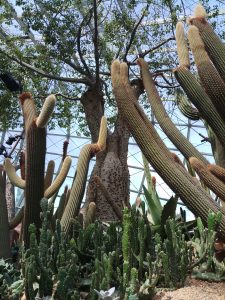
x=127, y=256
x=207, y=99
x=37, y=184
x=192, y=194
x=207, y=267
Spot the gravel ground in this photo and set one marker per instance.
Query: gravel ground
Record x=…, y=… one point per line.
x=195, y=290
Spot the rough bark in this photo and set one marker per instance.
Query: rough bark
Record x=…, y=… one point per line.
x=111, y=165
x=10, y=200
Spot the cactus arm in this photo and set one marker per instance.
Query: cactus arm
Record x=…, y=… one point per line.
x=186, y=148
x=209, y=180
x=201, y=101
x=4, y=226
x=210, y=78
x=196, y=199
x=187, y=110
x=102, y=134
x=49, y=174
x=182, y=47
x=90, y=215
x=213, y=44
x=29, y=109
x=59, y=179
x=79, y=183
x=46, y=111
x=13, y=177
x=17, y=219
x=217, y=171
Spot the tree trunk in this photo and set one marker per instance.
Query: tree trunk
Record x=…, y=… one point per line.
x=111, y=164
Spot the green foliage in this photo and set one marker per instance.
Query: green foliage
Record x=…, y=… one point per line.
x=101, y=257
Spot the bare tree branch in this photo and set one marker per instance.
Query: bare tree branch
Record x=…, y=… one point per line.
x=132, y=36
x=85, y=81
x=88, y=73
x=172, y=38
x=95, y=40
x=67, y=97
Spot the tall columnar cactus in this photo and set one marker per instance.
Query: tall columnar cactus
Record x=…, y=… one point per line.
x=213, y=44
x=34, y=181
x=4, y=232
x=210, y=78
x=202, y=102
x=197, y=200
x=78, y=187
x=197, y=94
x=181, y=142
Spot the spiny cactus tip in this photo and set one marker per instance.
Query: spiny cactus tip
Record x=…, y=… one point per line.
x=24, y=96
x=199, y=11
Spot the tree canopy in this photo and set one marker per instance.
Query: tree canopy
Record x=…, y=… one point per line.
x=65, y=47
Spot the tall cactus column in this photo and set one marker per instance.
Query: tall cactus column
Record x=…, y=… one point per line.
x=35, y=168
x=197, y=200
x=35, y=134
x=4, y=227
